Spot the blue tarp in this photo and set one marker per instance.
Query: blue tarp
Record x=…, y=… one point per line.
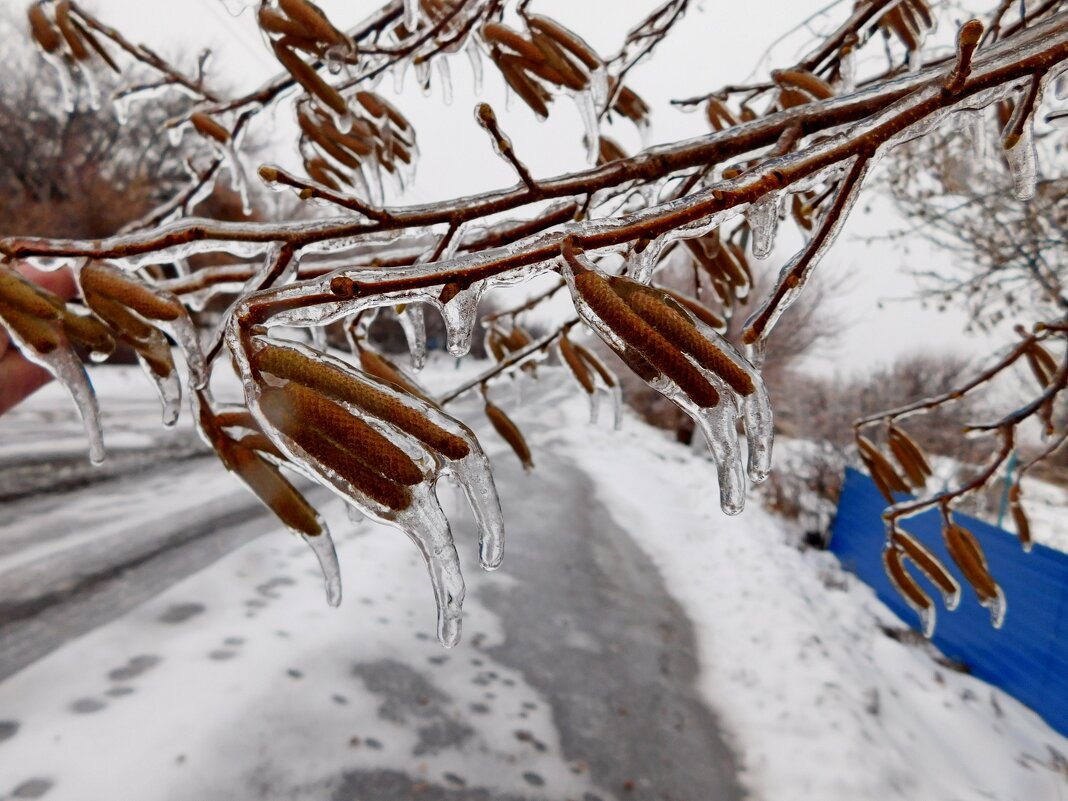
x=1028, y=656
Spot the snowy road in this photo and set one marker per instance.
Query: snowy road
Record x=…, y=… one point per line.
x=72, y=561
x=575, y=678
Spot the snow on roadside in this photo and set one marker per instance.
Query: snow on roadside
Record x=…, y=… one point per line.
x=240, y=682
x=822, y=704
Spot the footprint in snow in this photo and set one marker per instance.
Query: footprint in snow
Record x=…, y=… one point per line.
x=179, y=613
x=8, y=729
x=34, y=788
x=137, y=666
x=87, y=706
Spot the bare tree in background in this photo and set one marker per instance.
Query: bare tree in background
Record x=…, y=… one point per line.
x=796, y=144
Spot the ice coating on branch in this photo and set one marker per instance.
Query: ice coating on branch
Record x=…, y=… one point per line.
x=1022, y=159
x=716, y=417
x=413, y=322
x=763, y=219
x=273, y=373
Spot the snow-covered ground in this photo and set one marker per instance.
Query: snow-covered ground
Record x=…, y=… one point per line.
x=822, y=703
x=239, y=682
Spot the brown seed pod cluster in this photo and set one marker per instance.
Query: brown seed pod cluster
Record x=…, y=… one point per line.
x=129, y=307
x=44, y=321
x=629, y=104
x=908, y=21
x=659, y=335
x=929, y=565
x=882, y=471
x=799, y=86
x=342, y=443
x=208, y=126
x=720, y=117
x=724, y=263
x=969, y=557
x=245, y=457
x=374, y=363
x=907, y=586
x=910, y=456
x=596, y=365
x=608, y=150
x=510, y=433
x=1019, y=516
x=65, y=36
x=576, y=364
x=302, y=25
x=328, y=380
x=549, y=57
x=501, y=343
x=379, y=137
x=32, y=314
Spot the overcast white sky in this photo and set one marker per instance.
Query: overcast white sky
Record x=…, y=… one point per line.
x=721, y=42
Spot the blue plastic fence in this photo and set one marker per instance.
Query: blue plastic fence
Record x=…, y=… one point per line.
x=1028, y=656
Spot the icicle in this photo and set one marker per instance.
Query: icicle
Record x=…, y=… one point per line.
x=974, y=132
x=475, y=57
x=422, y=76
x=1060, y=86
x=68, y=370
x=238, y=179
x=616, y=394
x=66, y=81
x=1022, y=159
x=400, y=69
x=318, y=337
x=928, y=619
x=92, y=90
x=591, y=125
x=413, y=321
x=476, y=480
x=169, y=389
x=355, y=515
x=847, y=71
x=411, y=14
x=719, y=426
x=322, y=546
x=446, y=80
x=594, y=401
x=759, y=432
x=120, y=105
x=459, y=315
x=763, y=219
x=997, y=607
x=599, y=86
